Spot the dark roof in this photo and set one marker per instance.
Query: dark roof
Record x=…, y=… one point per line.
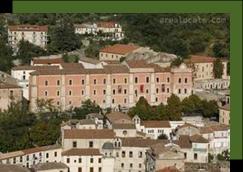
x=198, y=139
x=115, y=116
x=123, y=126
x=12, y=168
x=81, y=152
x=4, y=85
x=184, y=142
x=50, y=166
x=35, y=68
x=119, y=49
x=156, y=124
x=107, y=145
x=89, y=134
x=48, y=61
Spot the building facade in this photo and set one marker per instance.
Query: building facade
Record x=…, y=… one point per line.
x=34, y=34
x=112, y=86
x=224, y=114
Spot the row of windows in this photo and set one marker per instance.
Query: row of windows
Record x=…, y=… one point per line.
x=70, y=82
x=131, y=165
x=91, y=169
x=152, y=131
x=91, y=160
x=180, y=91
x=130, y=154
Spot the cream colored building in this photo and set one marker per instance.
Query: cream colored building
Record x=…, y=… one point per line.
x=116, y=52
x=32, y=33
x=224, y=114
x=203, y=67
x=9, y=94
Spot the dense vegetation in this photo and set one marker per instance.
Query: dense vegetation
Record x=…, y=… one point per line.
x=172, y=33
x=174, y=108
x=20, y=129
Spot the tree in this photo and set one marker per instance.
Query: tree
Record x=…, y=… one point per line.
x=176, y=62
x=27, y=50
x=173, y=108
x=142, y=109
x=6, y=57
x=63, y=37
x=209, y=108
x=163, y=137
x=45, y=105
x=218, y=68
x=191, y=104
x=224, y=156
x=87, y=107
x=70, y=58
x=220, y=49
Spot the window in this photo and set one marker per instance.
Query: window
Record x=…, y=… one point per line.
x=117, y=154
x=80, y=160
x=46, y=83
x=47, y=155
x=195, y=156
x=94, y=92
x=125, y=91
x=104, y=81
x=140, y=154
x=136, y=80
x=163, y=88
x=179, y=91
x=157, y=90
x=91, y=169
x=74, y=144
x=136, y=92
x=179, y=80
x=79, y=169
x=99, y=160
x=130, y=154
x=122, y=165
x=91, y=144
x=147, y=79
x=82, y=81
x=55, y=154
x=46, y=93
x=140, y=165
x=100, y=169
x=91, y=160
x=94, y=81
x=70, y=93
x=156, y=99
x=58, y=93
x=58, y=82
x=185, y=80
x=114, y=81
x=123, y=154
x=104, y=92
x=168, y=79
x=125, y=100
x=185, y=90
x=70, y=82
x=157, y=79
x=114, y=91
x=141, y=88
x=185, y=155
x=82, y=92
x=27, y=157
x=168, y=90
x=113, y=100
x=131, y=165
x=125, y=80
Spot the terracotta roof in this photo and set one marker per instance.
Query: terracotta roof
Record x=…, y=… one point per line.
x=225, y=107
x=28, y=27
x=119, y=49
x=48, y=61
x=116, y=68
x=82, y=152
x=123, y=126
x=12, y=168
x=89, y=134
x=139, y=64
x=184, y=142
x=35, y=68
x=202, y=59
x=50, y=166
x=4, y=85
x=156, y=124
x=113, y=117
x=187, y=125
x=140, y=142
x=198, y=139
x=109, y=24
x=168, y=169
x=211, y=129
x=89, y=60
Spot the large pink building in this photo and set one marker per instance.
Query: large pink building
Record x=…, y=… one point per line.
x=111, y=85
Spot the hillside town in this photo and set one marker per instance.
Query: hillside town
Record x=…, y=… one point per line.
x=129, y=109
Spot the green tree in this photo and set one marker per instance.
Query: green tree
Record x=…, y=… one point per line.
x=173, y=108
x=6, y=57
x=163, y=137
x=176, y=62
x=191, y=104
x=45, y=105
x=220, y=49
x=26, y=51
x=87, y=107
x=142, y=109
x=70, y=58
x=218, y=68
x=209, y=108
x=63, y=37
